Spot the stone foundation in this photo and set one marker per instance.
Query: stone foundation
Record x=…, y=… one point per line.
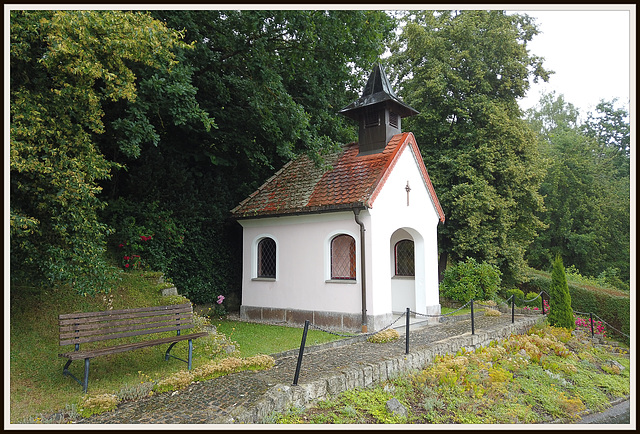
x=345, y=321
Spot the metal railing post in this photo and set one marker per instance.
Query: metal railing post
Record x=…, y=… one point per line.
x=513, y=308
x=407, y=332
x=591, y=321
x=473, y=328
x=304, y=339
x=542, y=297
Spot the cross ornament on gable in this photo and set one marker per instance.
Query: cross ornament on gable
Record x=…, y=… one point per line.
x=408, y=189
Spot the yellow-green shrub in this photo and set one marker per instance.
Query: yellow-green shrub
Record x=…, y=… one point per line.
x=384, y=336
x=97, y=404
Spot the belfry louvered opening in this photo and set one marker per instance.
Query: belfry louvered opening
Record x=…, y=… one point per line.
x=394, y=120
x=372, y=118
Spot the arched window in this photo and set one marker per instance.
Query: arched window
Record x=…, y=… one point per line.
x=405, y=258
x=343, y=257
x=267, y=258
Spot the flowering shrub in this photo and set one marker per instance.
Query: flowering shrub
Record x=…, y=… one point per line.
x=131, y=261
x=585, y=324
x=145, y=233
x=536, y=309
x=218, y=309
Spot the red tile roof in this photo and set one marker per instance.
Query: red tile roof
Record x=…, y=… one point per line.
x=353, y=181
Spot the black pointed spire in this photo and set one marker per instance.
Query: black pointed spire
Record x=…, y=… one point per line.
x=377, y=90
x=379, y=111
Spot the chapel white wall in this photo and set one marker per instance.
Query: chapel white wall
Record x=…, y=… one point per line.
x=390, y=213
x=303, y=265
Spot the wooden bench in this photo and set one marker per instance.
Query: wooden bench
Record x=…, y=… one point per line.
x=83, y=328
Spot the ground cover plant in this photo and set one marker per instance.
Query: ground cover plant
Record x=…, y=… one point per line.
x=38, y=389
x=549, y=374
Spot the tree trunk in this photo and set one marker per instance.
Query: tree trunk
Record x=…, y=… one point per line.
x=442, y=264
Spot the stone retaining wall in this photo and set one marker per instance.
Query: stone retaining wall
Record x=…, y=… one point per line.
x=282, y=397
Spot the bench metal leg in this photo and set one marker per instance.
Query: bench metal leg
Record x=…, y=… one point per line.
x=188, y=362
x=167, y=355
x=86, y=375
x=85, y=383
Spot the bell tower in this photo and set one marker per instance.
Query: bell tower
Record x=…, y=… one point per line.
x=379, y=113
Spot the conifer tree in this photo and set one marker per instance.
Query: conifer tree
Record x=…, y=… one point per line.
x=560, y=312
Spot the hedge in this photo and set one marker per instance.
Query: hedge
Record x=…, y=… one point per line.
x=612, y=306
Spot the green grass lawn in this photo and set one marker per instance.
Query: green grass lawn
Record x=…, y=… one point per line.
x=448, y=310
x=256, y=339
x=37, y=386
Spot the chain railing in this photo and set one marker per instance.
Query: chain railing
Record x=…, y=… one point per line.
x=358, y=335
x=591, y=322
x=470, y=303
x=308, y=324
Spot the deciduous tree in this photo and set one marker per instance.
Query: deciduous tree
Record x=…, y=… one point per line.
x=586, y=188
x=274, y=82
x=465, y=71
x=65, y=67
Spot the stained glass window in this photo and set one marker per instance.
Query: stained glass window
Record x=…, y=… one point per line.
x=405, y=258
x=267, y=258
x=343, y=257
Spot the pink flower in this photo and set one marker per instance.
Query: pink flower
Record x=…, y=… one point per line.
x=120, y=245
x=220, y=299
x=126, y=265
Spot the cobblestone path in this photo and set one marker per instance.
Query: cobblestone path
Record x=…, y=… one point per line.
x=211, y=401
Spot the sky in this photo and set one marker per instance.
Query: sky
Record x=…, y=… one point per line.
x=590, y=52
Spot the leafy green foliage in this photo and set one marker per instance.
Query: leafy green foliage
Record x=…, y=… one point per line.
x=464, y=71
x=470, y=280
x=533, y=299
x=145, y=232
x=586, y=189
x=518, y=296
x=611, y=305
x=273, y=81
x=65, y=66
x=561, y=313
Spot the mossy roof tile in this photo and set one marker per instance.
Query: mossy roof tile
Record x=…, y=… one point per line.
x=351, y=181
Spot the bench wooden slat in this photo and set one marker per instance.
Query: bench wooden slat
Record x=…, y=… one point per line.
x=112, y=331
x=124, y=335
x=105, y=327
x=118, y=311
x=120, y=315
x=77, y=355
x=85, y=327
